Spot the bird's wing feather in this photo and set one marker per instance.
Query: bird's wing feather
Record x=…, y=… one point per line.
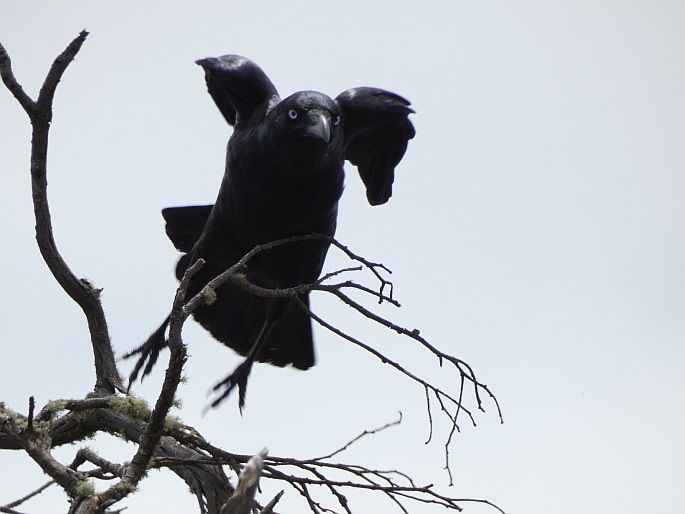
x=185, y=224
x=377, y=130
x=238, y=87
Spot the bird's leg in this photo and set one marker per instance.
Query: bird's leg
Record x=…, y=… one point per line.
x=149, y=351
x=242, y=372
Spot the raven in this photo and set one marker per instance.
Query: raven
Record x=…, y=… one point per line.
x=283, y=177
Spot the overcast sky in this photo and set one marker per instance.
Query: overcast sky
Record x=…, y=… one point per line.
x=536, y=231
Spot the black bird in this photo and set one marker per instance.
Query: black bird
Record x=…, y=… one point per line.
x=284, y=177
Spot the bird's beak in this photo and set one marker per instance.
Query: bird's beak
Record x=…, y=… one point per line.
x=317, y=125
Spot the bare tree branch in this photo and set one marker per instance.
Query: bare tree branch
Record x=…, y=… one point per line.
x=172, y=379
x=451, y=405
x=14, y=87
x=269, y=507
x=395, y=485
x=105, y=467
x=10, y=506
x=81, y=291
x=361, y=436
x=125, y=418
x=37, y=445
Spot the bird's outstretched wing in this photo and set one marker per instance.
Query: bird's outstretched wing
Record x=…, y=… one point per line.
x=238, y=86
x=377, y=130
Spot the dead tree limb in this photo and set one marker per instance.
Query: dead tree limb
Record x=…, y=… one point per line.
x=81, y=291
x=9, y=508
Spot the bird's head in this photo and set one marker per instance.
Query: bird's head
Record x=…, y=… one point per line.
x=308, y=118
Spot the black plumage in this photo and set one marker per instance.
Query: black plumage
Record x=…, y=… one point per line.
x=284, y=177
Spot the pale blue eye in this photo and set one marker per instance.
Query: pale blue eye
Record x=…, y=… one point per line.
x=292, y=114
x=336, y=120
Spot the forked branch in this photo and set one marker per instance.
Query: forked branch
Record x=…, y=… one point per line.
x=80, y=290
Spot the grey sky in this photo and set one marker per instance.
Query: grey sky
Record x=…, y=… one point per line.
x=536, y=231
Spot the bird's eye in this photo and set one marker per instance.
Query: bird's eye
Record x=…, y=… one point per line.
x=336, y=120
x=292, y=114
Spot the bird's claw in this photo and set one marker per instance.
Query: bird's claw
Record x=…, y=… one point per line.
x=149, y=352
x=239, y=378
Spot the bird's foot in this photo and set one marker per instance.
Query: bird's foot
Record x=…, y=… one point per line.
x=149, y=352
x=239, y=378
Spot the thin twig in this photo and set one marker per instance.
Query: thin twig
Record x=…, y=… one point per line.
x=16, y=503
x=361, y=436
x=397, y=486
